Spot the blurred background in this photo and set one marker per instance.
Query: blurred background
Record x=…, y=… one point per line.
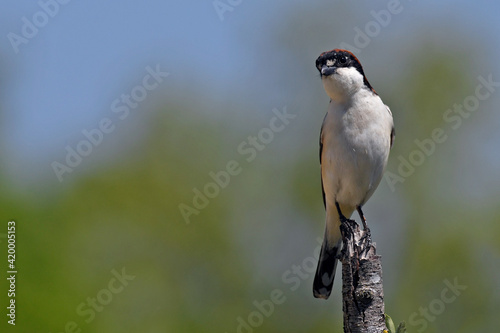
x=152, y=193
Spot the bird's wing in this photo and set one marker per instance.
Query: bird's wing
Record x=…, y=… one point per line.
x=393, y=135
x=320, y=155
x=393, y=132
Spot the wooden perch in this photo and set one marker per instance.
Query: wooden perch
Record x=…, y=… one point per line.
x=362, y=290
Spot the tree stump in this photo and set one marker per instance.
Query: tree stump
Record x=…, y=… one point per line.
x=362, y=290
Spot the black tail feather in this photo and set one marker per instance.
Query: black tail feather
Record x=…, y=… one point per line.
x=325, y=273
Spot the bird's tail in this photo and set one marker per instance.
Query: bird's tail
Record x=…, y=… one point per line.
x=325, y=273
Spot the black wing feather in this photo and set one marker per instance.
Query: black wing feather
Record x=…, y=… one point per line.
x=393, y=135
x=320, y=154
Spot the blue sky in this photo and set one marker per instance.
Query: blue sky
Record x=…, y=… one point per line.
x=65, y=78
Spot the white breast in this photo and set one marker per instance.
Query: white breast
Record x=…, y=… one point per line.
x=356, y=144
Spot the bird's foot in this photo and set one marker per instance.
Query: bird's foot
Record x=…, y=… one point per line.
x=368, y=232
x=365, y=241
x=347, y=223
x=367, y=235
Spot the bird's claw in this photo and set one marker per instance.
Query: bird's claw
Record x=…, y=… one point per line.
x=366, y=240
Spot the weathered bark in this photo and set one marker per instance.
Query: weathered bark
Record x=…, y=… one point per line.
x=362, y=290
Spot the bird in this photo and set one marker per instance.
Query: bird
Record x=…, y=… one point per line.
x=356, y=136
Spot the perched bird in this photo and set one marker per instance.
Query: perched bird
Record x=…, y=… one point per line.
x=356, y=136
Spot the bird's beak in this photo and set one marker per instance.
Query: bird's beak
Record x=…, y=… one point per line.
x=327, y=71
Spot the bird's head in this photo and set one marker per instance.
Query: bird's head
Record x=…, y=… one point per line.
x=341, y=73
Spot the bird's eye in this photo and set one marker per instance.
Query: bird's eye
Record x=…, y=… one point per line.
x=343, y=60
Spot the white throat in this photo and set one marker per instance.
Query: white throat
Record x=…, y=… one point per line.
x=343, y=84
